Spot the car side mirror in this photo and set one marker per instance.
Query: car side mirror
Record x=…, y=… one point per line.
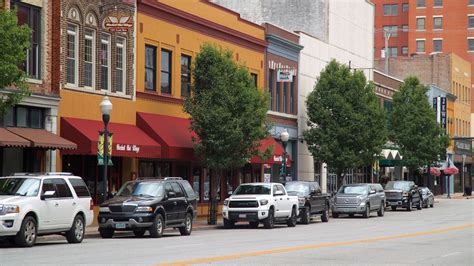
x=171, y=194
x=48, y=194
x=278, y=193
x=372, y=192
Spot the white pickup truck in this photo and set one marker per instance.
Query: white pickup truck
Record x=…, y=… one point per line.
x=260, y=202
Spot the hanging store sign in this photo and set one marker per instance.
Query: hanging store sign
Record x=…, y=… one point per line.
x=439, y=104
x=118, y=23
x=284, y=75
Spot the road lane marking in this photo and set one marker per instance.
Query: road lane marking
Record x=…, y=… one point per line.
x=450, y=254
x=313, y=246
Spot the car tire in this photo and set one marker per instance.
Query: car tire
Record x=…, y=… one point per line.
x=325, y=216
x=269, y=222
x=106, y=232
x=228, y=224
x=367, y=211
x=254, y=224
x=306, y=215
x=420, y=204
x=156, y=230
x=76, y=233
x=394, y=208
x=26, y=237
x=139, y=232
x=188, y=225
x=335, y=215
x=291, y=222
x=381, y=211
x=432, y=204
x=409, y=208
x=351, y=215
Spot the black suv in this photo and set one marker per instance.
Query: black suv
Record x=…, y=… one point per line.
x=149, y=204
x=403, y=194
x=310, y=199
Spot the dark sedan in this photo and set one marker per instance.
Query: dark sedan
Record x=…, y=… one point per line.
x=428, y=197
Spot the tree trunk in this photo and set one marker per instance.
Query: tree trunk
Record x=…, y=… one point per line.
x=215, y=178
x=340, y=179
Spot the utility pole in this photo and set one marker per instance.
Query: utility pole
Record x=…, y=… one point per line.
x=387, y=34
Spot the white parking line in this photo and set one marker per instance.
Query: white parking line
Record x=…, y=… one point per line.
x=450, y=254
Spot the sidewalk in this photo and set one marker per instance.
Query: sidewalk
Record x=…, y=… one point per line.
x=456, y=196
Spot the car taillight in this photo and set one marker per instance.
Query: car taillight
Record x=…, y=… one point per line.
x=91, y=205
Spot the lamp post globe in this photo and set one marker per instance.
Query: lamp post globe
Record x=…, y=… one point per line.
x=284, y=136
x=105, y=108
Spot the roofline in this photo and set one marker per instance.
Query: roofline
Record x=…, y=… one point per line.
x=388, y=76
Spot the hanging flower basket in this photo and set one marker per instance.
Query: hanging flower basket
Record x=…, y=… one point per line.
x=435, y=171
x=451, y=171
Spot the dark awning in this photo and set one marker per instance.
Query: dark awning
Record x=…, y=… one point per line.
x=41, y=138
x=8, y=139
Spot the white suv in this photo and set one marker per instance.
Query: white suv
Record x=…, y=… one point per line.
x=41, y=204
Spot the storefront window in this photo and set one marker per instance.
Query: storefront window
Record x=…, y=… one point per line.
x=197, y=181
x=146, y=169
x=23, y=116
x=206, y=185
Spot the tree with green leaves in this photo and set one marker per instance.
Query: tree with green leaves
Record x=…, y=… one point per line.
x=420, y=138
x=346, y=122
x=227, y=111
x=14, y=42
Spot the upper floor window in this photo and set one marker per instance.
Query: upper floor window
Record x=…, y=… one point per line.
x=390, y=10
x=24, y=116
x=72, y=54
x=120, y=60
x=420, y=3
x=271, y=86
x=105, y=61
x=255, y=79
x=392, y=51
x=150, y=67
x=420, y=46
x=89, y=58
x=405, y=7
x=420, y=23
x=438, y=3
x=185, y=75
x=471, y=2
x=278, y=97
x=31, y=16
x=285, y=97
x=437, y=45
x=470, y=21
x=166, y=57
x=392, y=29
x=292, y=95
x=404, y=50
x=437, y=23
x=470, y=45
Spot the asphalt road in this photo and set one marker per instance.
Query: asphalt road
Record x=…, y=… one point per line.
x=442, y=235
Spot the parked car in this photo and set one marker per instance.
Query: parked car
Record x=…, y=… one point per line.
x=149, y=205
x=33, y=205
x=256, y=203
x=403, y=194
x=428, y=197
x=359, y=199
x=310, y=200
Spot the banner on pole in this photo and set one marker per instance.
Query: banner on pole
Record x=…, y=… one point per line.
x=100, y=149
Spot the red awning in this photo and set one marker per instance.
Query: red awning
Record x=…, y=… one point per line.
x=172, y=133
x=128, y=140
x=276, y=157
x=8, y=139
x=41, y=138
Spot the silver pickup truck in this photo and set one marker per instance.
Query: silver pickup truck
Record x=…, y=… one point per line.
x=359, y=199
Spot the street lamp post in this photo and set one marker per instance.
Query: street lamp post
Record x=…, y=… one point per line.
x=105, y=108
x=284, y=136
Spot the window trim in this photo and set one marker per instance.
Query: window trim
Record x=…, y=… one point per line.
x=123, y=46
x=76, y=53
x=94, y=57
x=109, y=70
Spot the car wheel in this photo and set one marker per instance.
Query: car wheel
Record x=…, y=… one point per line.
x=188, y=225
x=335, y=215
x=268, y=223
x=139, y=232
x=420, y=204
x=409, y=208
x=432, y=203
x=351, y=215
x=325, y=216
x=254, y=224
x=394, y=208
x=291, y=222
x=77, y=231
x=156, y=230
x=367, y=211
x=381, y=211
x=228, y=224
x=106, y=232
x=306, y=215
x=26, y=237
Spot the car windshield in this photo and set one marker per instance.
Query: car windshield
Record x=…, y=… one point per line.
x=253, y=190
x=141, y=189
x=404, y=186
x=300, y=188
x=27, y=187
x=353, y=190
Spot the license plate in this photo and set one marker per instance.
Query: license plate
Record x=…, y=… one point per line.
x=242, y=215
x=393, y=203
x=120, y=226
